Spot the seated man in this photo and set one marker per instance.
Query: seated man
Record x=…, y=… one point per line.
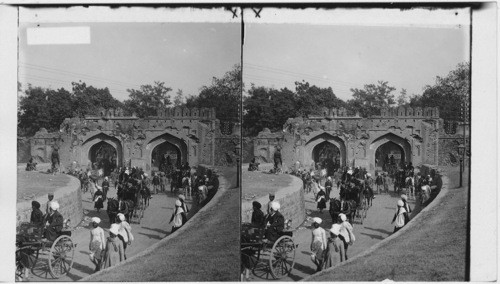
x=36, y=214
x=54, y=222
x=275, y=222
x=253, y=166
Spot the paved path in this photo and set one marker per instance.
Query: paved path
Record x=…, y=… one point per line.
x=375, y=228
x=153, y=227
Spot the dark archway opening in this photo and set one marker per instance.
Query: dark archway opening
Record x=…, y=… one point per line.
x=164, y=155
x=103, y=156
x=327, y=156
x=389, y=155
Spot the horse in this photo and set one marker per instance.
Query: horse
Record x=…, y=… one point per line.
x=349, y=209
x=334, y=209
x=112, y=209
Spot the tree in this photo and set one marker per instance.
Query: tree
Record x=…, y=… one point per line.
x=179, y=98
x=267, y=108
x=223, y=94
x=43, y=108
x=448, y=93
x=87, y=100
x=148, y=99
x=371, y=99
x=310, y=99
x=402, y=99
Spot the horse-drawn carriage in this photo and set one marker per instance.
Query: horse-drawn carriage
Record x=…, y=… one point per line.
x=135, y=199
x=30, y=245
x=357, y=199
x=275, y=258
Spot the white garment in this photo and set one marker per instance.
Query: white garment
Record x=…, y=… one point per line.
x=178, y=218
x=124, y=227
x=97, y=242
x=400, y=219
x=319, y=235
x=345, y=227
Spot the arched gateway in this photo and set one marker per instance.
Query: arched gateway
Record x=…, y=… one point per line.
x=406, y=134
x=111, y=140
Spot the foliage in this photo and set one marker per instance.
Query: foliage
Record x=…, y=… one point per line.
x=86, y=100
x=402, y=99
x=42, y=108
x=148, y=99
x=267, y=108
x=224, y=94
x=47, y=108
x=448, y=93
x=310, y=99
x=179, y=98
x=371, y=99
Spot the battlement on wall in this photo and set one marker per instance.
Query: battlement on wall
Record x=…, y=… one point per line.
x=426, y=112
x=184, y=112
x=332, y=112
x=170, y=113
x=111, y=112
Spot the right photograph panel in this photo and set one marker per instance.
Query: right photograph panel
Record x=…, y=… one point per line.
x=356, y=144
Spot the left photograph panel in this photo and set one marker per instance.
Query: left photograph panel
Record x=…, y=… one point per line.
x=128, y=143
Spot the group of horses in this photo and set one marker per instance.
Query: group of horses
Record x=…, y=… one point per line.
x=356, y=196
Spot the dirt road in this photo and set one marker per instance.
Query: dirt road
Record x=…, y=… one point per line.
x=375, y=228
x=153, y=227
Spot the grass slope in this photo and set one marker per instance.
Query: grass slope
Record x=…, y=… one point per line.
x=207, y=250
x=33, y=184
x=260, y=183
x=432, y=250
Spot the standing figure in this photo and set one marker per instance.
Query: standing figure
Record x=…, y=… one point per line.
x=335, y=248
x=98, y=199
x=277, y=159
x=184, y=206
x=124, y=233
x=271, y=199
x=156, y=183
x=54, y=157
x=97, y=243
x=105, y=188
x=346, y=233
x=114, y=252
x=321, y=200
x=328, y=187
x=400, y=217
x=318, y=243
x=178, y=217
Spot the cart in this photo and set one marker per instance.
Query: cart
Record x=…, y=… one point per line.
x=30, y=245
x=271, y=258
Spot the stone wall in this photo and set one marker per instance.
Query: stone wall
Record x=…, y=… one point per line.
x=291, y=199
x=69, y=198
x=23, y=150
x=415, y=131
x=191, y=131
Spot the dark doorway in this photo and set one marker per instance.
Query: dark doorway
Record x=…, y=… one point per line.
x=164, y=155
x=103, y=156
x=389, y=155
x=327, y=156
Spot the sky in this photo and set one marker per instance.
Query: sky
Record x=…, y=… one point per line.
x=353, y=51
x=125, y=55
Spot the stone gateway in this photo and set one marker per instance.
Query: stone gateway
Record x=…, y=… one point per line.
x=109, y=140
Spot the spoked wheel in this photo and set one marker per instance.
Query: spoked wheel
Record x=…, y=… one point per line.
x=282, y=257
x=61, y=256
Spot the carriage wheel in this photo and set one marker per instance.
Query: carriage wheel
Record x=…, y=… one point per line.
x=282, y=257
x=61, y=256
